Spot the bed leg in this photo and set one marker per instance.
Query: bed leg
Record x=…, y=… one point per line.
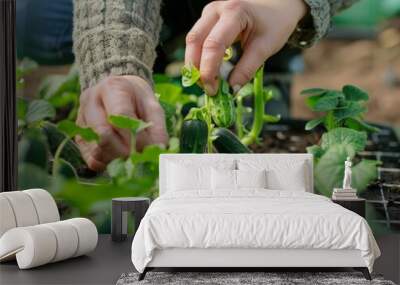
x=364, y=271
x=143, y=274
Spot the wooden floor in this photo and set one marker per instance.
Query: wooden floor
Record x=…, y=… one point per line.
x=110, y=260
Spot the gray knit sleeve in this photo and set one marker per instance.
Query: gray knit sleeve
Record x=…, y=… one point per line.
x=115, y=37
x=316, y=24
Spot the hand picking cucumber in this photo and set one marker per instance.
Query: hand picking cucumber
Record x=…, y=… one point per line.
x=222, y=107
x=194, y=135
x=227, y=142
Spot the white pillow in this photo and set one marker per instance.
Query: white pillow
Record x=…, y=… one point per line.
x=188, y=177
x=281, y=174
x=294, y=180
x=186, y=174
x=251, y=178
x=223, y=179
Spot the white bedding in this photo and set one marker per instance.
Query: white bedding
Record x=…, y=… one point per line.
x=252, y=218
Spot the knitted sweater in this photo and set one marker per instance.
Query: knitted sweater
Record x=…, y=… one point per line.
x=119, y=37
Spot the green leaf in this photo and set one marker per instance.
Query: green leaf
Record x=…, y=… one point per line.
x=22, y=108
x=190, y=75
x=313, y=123
x=39, y=110
x=246, y=90
x=359, y=125
x=172, y=94
x=33, y=149
x=170, y=118
x=25, y=67
x=271, y=118
x=353, y=109
x=32, y=176
x=57, y=85
x=313, y=91
x=151, y=153
x=116, y=168
x=173, y=145
x=125, y=122
x=354, y=93
x=72, y=130
x=363, y=173
x=316, y=151
x=161, y=78
x=356, y=139
x=324, y=102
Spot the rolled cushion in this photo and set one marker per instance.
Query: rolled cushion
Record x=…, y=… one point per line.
x=7, y=218
x=87, y=235
x=33, y=246
x=66, y=238
x=23, y=208
x=40, y=244
x=45, y=205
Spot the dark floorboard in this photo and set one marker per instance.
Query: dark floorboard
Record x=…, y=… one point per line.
x=110, y=260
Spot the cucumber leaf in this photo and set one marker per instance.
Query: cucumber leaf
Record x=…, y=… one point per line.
x=353, y=109
x=125, y=122
x=313, y=91
x=190, y=75
x=324, y=102
x=363, y=173
x=356, y=139
x=353, y=93
x=72, y=130
x=39, y=110
x=357, y=124
x=313, y=123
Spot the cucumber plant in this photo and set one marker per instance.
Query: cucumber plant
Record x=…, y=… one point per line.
x=224, y=110
x=345, y=135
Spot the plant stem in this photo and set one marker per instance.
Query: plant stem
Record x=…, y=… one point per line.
x=209, y=124
x=239, y=116
x=57, y=156
x=258, y=117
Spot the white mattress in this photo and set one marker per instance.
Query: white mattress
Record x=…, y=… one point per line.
x=252, y=219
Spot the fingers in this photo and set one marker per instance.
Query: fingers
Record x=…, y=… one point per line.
x=110, y=145
x=254, y=55
x=117, y=100
x=224, y=33
x=198, y=33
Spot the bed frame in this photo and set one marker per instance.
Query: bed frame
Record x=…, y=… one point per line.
x=246, y=259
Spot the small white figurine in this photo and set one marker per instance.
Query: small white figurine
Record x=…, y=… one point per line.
x=347, y=174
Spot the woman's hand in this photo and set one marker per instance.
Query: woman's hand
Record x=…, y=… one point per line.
x=118, y=95
x=262, y=26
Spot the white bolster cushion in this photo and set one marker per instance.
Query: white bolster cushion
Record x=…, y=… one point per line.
x=46, y=207
x=40, y=244
x=23, y=208
x=7, y=218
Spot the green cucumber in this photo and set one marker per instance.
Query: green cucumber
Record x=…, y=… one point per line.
x=70, y=152
x=227, y=142
x=194, y=135
x=222, y=107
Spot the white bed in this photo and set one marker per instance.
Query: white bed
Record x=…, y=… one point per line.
x=248, y=227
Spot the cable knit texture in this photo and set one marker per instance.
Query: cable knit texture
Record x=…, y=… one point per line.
x=115, y=37
x=119, y=37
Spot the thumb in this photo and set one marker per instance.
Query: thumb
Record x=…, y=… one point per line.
x=254, y=55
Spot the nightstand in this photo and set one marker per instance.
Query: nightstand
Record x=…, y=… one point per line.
x=120, y=209
x=355, y=205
